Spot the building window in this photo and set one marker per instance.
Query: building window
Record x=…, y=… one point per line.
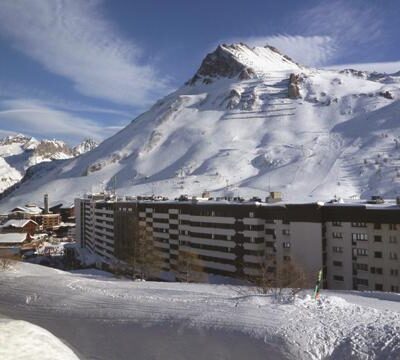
x=337, y=249
x=378, y=287
x=362, y=267
x=394, y=288
x=378, y=238
x=286, y=245
x=337, y=235
x=394, y=272
x=337, y=263
x=359, y=224
x=378, y=271
x=362, y=252
x=338, y=278
x=377, y=254
x=392, y=239
x=377, y=226
x=286, y=258
x=392, y=256
x=392, y=226
x=359, y=236
x=285, y=232
x=363, y=282
x=336, y=223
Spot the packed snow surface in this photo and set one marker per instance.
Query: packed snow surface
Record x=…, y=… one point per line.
x=236, y=131
x=24, y=341
x=108, y=318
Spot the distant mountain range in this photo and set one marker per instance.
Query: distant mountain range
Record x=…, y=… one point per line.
x=18, y=153
x=250, y=120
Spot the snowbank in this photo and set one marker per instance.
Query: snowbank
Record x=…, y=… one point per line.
x=22, y=340
x=109, y=318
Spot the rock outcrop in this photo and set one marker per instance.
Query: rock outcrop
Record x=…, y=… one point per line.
x=221, y=63
x=293, y=88
x=387, y=95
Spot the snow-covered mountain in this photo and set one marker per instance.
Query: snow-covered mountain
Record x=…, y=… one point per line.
x=85, y=146
x=250, y=120
x=19, y=152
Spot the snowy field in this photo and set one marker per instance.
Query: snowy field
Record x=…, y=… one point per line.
x=23, y=340
x=100, y=317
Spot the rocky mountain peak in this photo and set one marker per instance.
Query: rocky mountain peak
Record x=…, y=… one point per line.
x=86, y=145
x=48, y=148
x=242, y=61
x=15, y=139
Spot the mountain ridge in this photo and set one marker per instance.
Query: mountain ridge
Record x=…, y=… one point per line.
x=19, y=152
x=277, y=128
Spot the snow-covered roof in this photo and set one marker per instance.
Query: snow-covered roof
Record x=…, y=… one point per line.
x=68, y=206
x=12, y=238
x=18, y=223
x=67, y=224
x=28, y=209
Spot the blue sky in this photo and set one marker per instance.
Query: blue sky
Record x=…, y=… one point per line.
x=73, y=69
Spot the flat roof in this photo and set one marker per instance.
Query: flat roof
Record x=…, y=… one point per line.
x=387, y=204
x=12, y=238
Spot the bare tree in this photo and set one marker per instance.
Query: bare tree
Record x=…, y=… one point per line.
x=6, y=262
x=264, y=279
x=284, y=280
x=146, y=260
x=291, y=278
x=189, y=266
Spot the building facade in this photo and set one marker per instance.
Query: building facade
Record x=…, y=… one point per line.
x=50, y=221
x=357, y=246
x=363, y=247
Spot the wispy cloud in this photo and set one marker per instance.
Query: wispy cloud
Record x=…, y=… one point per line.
x=73, y=39
x=13, y=91
x=330, y=32
x=34, y=118
x=352, y=26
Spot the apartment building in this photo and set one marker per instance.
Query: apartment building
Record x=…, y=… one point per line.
x=50, y=221
x=230, y=239
x=356, y=245
x=363, y=247
x=95, y=225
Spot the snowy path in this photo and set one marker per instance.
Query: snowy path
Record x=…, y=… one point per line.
x=105, y=318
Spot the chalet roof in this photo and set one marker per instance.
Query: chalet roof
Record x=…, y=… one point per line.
x=18, y=223
x=34, y=210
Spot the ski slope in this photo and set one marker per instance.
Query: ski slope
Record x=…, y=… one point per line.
x=234, y=130
x=106, y=318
